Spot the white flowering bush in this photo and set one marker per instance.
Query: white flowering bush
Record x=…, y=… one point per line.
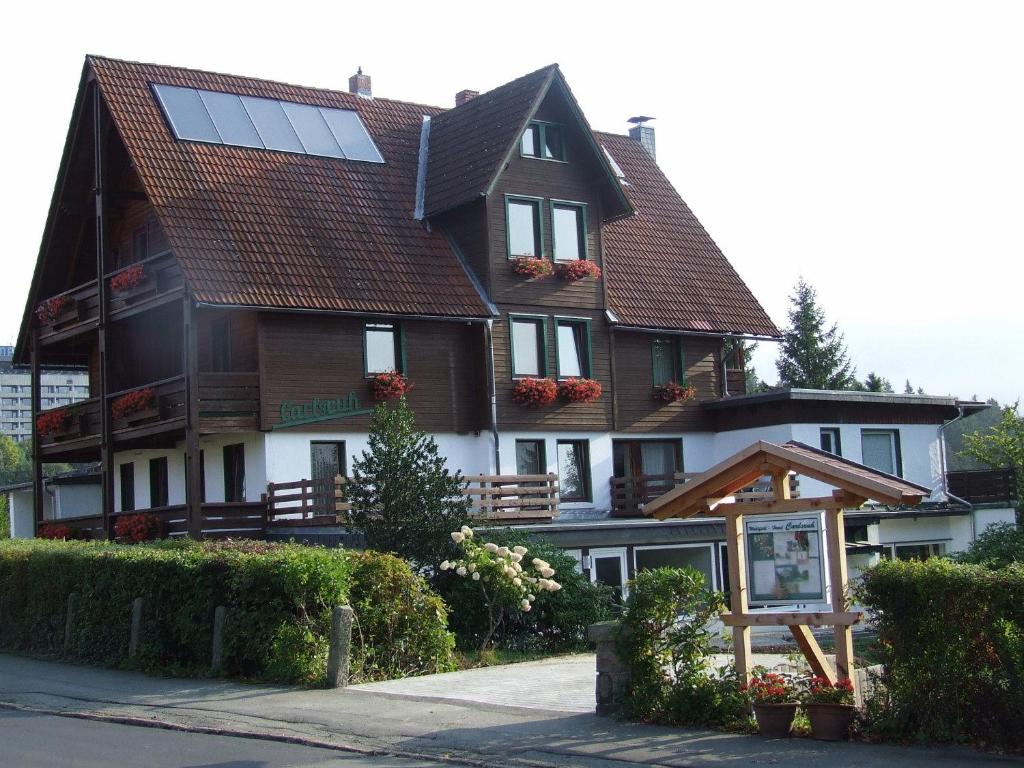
x=508, y=580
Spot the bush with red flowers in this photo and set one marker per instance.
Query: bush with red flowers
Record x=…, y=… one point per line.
x=770, y=688
x=534, y=393
x=50, y=310
x=127, y=278
x=673, y=392
x=578, y=269
x=390, y=385
x=49, y=422
x=134, y=529
x=580, y=390
x=133, y=402
x=819, y=690
x=532, y=266
x=57, y=531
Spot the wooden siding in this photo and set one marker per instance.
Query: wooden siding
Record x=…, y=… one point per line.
x=572, y=416
x=638, y=409
x=243, y=333
x=761, y=414
x=579, y=179
x=307, y=356
x=467, y=226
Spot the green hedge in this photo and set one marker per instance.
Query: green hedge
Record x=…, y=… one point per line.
x=952, y=638
x=279, y=599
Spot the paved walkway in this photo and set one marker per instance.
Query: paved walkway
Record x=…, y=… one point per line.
x=559, y=684
x=466, y=733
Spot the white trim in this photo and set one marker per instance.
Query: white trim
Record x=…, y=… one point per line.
x=610, y=552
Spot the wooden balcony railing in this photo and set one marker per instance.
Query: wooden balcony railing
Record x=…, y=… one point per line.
x=244, y=519
x=168, y=406
x=983, y=486
x=307, y=502
x=631, y=494
x=229, y=401
x=160, y=279
x=83, y=421
x=72, y=312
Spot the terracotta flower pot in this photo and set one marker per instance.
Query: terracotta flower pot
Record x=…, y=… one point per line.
x=830, y=722
x=775, y=721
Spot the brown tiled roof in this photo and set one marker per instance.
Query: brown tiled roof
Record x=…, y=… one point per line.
x=468, y=143
x=662, y=269
x=264, y=228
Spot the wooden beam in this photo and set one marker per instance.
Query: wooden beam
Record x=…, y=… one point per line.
x=738, y=593
x=190, y=365
x=789, y=619
x=37, y=448
x=812, y=652
x=676, y=507
x=835, y=538
x=769, y=507
x=103, y=322
x=780, y=484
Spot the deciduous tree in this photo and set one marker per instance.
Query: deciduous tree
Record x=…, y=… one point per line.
x=1001, y=445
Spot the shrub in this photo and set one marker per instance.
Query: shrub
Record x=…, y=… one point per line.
x=134, y=529
x=404, y=499
x=279, y=599
x=580, y=390
x=665, y=641
x=578, y=269
x=952, y=640
x=56, y=532
x=534, y=393
x=996, y=547
x=557, y=620
x=532, y=266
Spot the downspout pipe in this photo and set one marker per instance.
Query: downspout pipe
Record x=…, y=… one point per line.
x=493, y=395
x=943, y=467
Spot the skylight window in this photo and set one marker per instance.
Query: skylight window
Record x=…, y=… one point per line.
x=246, y=121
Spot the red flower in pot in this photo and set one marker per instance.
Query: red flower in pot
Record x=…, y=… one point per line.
x=580, y=390
x=390, y=385
x=534, y=393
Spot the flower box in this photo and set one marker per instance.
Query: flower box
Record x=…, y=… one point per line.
x=775, y=721
x=774, y=697
x=580, y=390
x=533, y=267
x=50, y=310
x=675, y=393
x=53, y=422
x=127, y=278
x=390, y=386
x=135, y=407
x=534, y=393
x=578, y=269
x=829, y=707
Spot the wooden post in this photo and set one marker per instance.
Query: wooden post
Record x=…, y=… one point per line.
x=220, y=615
x=193, y=475
x=136, y=628
x=37, y=449
x=836, y=542
x=340, y=646
x=736, y=547
x=102, y=288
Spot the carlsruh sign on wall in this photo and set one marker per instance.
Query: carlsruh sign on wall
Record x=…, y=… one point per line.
x=320, y=409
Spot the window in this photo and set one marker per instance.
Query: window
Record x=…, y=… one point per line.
x=880, y=449
x=382, y=345
x=569, y=231
x=914, y=550
x=140, y=245
x=574, y=470
x=572, y=342
x=158, y=482
x=667, y=361
x=127, y=472
x=523, y=226
x=327, y=460
x=528, y=348
x=220, y=344
x=530, y=458
x=543, y=140
x=234, y=472
x=830, y=440
x=699, y=557
x=608, y=566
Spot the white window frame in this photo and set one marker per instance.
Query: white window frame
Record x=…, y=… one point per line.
x=890, y=546
x=610, y=552
x=893, y=435
x=710, y=546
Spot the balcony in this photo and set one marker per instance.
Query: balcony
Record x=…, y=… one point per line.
x=79, y=428
x=145, y=284
x=229, y=402
x=984, y=486
x=158, y=407
x=69, y=314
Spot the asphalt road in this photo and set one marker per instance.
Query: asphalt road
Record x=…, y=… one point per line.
x=29, y=740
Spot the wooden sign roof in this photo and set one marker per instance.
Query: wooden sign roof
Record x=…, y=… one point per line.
x=761, y=458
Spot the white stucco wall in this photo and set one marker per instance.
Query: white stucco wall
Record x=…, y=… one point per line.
x=19, y=504
x=79, y=500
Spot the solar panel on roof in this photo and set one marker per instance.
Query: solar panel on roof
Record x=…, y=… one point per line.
x=248, y=121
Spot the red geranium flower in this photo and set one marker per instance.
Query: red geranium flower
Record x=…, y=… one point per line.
x=127, y=278
x=675, y=393
x=534, y=393
x=50, y=310
x=578, y=269
x=390, y=385
x=532, y=266
x=52, y=421
x=580, y=390
x=133, y=402
x=133, y=529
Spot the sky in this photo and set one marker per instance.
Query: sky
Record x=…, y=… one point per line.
x=874, y=148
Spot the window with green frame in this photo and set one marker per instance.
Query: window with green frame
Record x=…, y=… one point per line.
x=569, y=230
x=523, y=227
x=667, y=361
x=382, y=348
x=528, y=346
x=544, y=141
x=572, y=348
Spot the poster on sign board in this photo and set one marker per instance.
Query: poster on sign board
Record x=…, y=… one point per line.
x=784, y=559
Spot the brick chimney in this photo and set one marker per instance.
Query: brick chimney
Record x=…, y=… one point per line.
x=359, y=84
x=643, y=133
x=463, y=96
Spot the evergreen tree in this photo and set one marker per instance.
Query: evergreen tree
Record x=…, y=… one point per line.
x=876, y=383
x=812, y=355
x=404, y=499
x=908, y=389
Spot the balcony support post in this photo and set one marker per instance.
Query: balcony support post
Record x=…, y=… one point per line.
x=193, y=491
x=37, y=448
x=106, y=441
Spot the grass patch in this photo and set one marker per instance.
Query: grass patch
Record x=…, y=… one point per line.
x=493, y=657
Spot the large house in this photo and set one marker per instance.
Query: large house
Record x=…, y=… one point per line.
x=237, y=261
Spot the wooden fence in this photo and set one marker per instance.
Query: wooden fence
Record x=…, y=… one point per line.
x=519, y=498
x=983, y=486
